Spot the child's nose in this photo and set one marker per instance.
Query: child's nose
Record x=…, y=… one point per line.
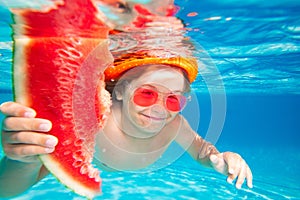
x=160, y=104
x=159, y=110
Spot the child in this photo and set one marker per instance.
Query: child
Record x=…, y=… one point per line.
x=148, y=93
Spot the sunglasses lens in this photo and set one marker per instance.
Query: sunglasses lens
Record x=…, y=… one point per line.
x=145, y=97
x=175, y=102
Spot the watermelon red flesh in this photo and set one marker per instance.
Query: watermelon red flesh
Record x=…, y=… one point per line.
x=61, y=78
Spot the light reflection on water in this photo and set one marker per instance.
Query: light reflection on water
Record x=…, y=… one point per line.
x=178, y=181
x=256, y=52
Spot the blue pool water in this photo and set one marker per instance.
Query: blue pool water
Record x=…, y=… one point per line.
x=255, y=47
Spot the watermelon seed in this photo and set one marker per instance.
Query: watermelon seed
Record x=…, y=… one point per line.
x=66, y=105
x=67, y=115
x=72, y=63
x=78, y=142
x=74, y=53
x=67, y=142
x=84, y=169
x=64, y=89
x=67, y=153
x=66, y=70
x=64, y=80
x=65, y=97
x=78, y=155
x=77, y=164
x=62, y=53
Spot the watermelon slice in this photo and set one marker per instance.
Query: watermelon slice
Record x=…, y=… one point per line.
x=59, y=58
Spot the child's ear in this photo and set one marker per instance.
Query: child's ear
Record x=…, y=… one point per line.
x=119, y=90
x=118, y=94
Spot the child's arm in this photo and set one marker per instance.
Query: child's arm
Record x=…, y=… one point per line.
x=228, y=163
x=16, y=177
x=22, y=140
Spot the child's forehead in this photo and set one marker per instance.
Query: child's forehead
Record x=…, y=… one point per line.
x=158, y=69
x=155, y=67
x=163, y=81
x=159, y=75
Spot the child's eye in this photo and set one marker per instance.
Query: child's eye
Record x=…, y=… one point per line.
x=148, y=92
x=172, y=98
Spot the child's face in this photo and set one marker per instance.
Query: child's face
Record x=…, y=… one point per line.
x=149, y=120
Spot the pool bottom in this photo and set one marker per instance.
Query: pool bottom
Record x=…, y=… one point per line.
x=185, y=179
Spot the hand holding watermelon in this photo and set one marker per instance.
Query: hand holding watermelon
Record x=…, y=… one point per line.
x=23, y=136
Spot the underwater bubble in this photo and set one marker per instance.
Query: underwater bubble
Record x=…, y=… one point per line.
x=121, y=42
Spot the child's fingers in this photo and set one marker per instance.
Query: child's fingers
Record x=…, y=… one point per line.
x=241, y=176
x=19, y=152
x=249, y=177
x=32, y=138
x=25, y=146
x=16, y=109
x=26, y=124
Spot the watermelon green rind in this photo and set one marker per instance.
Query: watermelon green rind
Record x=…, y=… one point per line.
x=49, y=73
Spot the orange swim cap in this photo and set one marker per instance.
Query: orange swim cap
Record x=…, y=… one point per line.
x=131, y=60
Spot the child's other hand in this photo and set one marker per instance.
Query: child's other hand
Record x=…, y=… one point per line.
x=23, y=135
x=233, y=166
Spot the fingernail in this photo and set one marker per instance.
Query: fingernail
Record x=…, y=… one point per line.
x=231, y=171
x=44, y=127
x=51, y=142
x=29, y=114
x=213, y=158
x=250, y=185
x=238, y=186
x=49, y=150
x=229, y=180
